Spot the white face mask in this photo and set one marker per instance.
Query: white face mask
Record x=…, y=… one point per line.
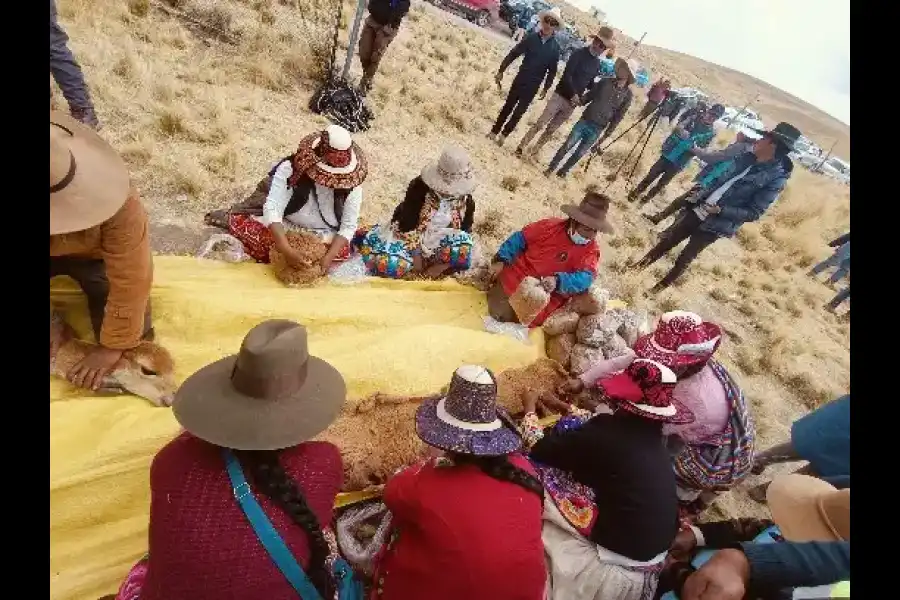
x=577, y=238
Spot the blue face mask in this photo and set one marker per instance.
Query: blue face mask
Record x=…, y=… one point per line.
x=578, y=239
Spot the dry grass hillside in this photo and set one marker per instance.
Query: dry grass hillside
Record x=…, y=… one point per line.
x=732, y=86
x=201, y=114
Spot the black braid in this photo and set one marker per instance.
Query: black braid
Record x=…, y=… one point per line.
x=499, y=468
x=272, y=480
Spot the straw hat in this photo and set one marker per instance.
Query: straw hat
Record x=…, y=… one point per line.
x=554, y=12
x=645, y=388
x=807, y=509
x=89, y=182
x=335, y=160
x=607, y=35
x=467, y=420
x=591, y=211
x=269, y=396
x=681, y=340
x=452, y=174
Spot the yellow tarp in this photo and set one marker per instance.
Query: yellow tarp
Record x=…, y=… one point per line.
x=396, y=337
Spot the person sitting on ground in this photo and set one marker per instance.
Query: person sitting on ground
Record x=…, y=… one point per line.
x=713, y=453
x=822, y=438
x=806, y=546
x=608, y=103
x=432, y=226
x=248, y=419
x=99, y=236
x=540, y=58
x=840, y=259
x=315, y=190
x=577, y=78
x=695, y=131
x=562, y=253
x=614, y=512
x=717, y=162
x=740, y=195
x=467, y=521
x=655, y=96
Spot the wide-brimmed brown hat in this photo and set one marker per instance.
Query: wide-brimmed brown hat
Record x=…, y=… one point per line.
x=607, y=35
x=807, y=509
x=591, y=212
x=332, y=159
x=89, y=181
x=452, y=174
x=269, y=396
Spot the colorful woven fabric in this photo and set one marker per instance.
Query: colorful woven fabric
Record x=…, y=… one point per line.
x=383, y=254
x=257, y=239
x=723, y=460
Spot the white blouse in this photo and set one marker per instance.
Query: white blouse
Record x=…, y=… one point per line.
x=317, y=214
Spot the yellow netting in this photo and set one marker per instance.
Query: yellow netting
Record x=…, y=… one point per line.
x=396, y=337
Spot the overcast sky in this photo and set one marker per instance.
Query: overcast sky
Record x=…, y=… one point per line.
x=801, y=46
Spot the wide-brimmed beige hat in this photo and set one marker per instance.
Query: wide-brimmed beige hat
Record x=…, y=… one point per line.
x=554, y=12
x=592, y=212
x=452, y=174
x=89, y=181
x=270, y=395
x=807, y=509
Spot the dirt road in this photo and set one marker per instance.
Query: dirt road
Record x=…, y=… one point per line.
x=498, y=29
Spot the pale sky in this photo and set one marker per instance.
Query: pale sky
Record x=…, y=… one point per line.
x=801, y=46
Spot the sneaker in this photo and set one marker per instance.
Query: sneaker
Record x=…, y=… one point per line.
x=520, y=153
x=655, y=219
x=499, y=140
x=632, y=196
x=86, y=116
x=548, y=173
x=490, y=135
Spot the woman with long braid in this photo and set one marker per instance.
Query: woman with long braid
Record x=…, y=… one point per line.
x=248, y=418
x=467, y=521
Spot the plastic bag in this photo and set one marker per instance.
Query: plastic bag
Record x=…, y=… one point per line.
x=224, y=247
x=357, y=545
x=516, y=331
x=529, y=299
x=352, y=270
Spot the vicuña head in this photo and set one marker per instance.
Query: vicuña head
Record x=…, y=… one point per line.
x=146, y=371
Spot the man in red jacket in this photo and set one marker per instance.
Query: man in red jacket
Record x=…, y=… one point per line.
x=562, y=253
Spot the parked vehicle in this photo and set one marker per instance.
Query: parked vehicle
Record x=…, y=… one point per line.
x=735, y=120
x=522, y=14
x=569, y=41
x=480, y=12
x=508, y=7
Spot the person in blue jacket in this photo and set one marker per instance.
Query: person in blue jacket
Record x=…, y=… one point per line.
x=693, y=131
x=740, y=195
x=716, y=163
x=802, y=552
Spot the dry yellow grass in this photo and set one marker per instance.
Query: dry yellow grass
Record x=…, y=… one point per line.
x=200, y=112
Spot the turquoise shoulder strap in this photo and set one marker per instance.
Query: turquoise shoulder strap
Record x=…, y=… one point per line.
x=265, y=531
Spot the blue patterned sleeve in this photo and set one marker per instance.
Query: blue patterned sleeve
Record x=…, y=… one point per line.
x=511, y=248
x=574, y=283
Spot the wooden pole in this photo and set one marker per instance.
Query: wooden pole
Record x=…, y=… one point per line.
x=636, y=45
x=354, y=38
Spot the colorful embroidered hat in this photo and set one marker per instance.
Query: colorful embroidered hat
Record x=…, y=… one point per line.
x=335, y=160
x=681, y=340
x=467, y=420
x=645, y=388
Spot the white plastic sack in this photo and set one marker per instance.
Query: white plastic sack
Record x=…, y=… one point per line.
x=225, y=247
x=361, y=554
x=516, y=331
x=352, y=270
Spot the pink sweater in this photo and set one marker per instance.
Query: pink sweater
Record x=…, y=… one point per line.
x=702, y=393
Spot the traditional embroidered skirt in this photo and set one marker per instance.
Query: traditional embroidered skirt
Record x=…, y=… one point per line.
x=257, y=239
x=391, y=255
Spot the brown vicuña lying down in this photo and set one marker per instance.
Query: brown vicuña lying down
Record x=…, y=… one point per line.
x=145, y=371
x=378, y=435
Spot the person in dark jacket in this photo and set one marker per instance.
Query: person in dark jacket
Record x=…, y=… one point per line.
x=840, y=259
x=717, y=162
x=67, y=74
x=608, y=102
x=655, y=96
x=540, y=58
x=696, y=131
x=378, y=32
x=431, y=229
x=806, y=545
x=577, y=78
x=740, y=195
x=614, y=509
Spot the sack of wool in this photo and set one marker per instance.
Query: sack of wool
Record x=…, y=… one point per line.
x=591, y=302
x=630, y=327
x=560, y=322
x=559, y=348
x=614, y=346
x=310, y=248
x=583, y=357
x=529, y=300
x=591, y=331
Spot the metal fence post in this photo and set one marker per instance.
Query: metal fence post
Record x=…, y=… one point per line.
x=354, y=37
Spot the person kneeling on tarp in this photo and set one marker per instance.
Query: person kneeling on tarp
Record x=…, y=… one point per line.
x=563, y=254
